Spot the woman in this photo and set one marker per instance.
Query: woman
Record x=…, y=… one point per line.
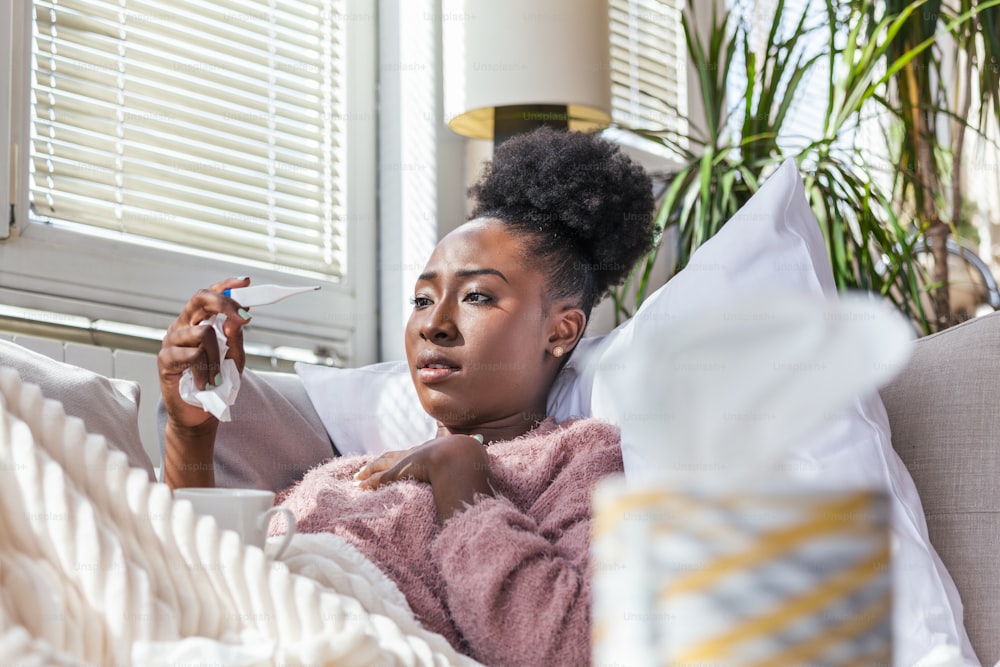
x=485, y=528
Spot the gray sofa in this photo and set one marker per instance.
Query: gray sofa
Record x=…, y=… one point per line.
x=944, y=410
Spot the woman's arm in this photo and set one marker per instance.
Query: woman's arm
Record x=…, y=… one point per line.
x=189, y=457
x=190, y=431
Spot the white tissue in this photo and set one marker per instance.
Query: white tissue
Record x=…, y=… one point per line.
x=945, y=656
x=215, y=400
x=729, y=392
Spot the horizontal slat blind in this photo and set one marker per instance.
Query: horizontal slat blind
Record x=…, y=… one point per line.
x=216, y=126
x=648, y=65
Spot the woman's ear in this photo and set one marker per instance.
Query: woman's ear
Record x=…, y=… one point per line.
x=568, y=328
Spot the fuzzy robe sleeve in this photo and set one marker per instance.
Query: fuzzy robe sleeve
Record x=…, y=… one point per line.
x=516, y=570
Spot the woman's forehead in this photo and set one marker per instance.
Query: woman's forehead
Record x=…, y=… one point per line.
x=480, y=242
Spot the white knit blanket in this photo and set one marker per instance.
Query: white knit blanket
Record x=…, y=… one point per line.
x=100, y=566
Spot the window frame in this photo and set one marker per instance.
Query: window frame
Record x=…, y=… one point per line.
x=49, y=267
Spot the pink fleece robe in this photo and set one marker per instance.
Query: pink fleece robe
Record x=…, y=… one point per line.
x=507, y=581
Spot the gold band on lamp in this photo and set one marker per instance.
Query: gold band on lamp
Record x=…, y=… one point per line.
x=478, y=123
x=519, y=53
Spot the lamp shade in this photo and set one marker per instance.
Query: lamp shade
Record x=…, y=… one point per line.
x=525, y=53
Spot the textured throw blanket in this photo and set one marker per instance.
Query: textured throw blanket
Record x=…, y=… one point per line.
x=100, y=566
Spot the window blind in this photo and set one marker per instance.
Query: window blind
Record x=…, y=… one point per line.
x=648, y=65
x=210, y=126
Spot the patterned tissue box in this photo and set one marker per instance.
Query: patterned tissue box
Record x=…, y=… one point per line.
x=715, y=576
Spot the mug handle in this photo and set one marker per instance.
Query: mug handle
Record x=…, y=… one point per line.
x=264, y=520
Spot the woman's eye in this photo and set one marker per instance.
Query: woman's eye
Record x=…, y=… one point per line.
x=420, y=301
x=477, y=297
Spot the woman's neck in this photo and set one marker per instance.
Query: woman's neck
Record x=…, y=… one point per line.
x=497, y=430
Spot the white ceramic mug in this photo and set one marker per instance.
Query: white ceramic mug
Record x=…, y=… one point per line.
x=247, y=511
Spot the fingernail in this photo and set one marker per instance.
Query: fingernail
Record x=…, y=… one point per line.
x=244, y=278
x=218, y=379
x=244, y=313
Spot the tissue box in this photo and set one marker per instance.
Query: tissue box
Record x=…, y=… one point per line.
x=773, y=573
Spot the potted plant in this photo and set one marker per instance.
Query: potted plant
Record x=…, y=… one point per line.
x=870, y=236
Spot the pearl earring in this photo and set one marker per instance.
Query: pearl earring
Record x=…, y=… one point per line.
x=557, y=352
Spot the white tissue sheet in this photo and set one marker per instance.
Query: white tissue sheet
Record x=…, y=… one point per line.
x=741, y=385
x=215, y=400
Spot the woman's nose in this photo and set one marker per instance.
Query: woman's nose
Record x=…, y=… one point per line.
x=439, y=323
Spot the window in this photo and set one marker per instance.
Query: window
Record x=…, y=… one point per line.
x=166, y=145
x=648, y=65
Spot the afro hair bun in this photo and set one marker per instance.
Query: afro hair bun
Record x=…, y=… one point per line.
x=572, y=191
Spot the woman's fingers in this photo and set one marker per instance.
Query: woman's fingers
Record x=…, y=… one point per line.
x=233, y=325
x=187, y=329
x=409, y=468
x=208, y=302
x=193, y=347
x=393, y=467
x=379, y=465
x=188, y=344
x=230, y=283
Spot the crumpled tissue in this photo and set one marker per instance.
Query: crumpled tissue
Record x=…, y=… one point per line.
x=215, y=400
x=728, y=393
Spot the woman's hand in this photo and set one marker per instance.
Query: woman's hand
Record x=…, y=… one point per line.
x=187, y=344
x=456, y=467
x=190, y=433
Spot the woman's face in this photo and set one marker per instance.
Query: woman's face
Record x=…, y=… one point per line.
x=478, y=338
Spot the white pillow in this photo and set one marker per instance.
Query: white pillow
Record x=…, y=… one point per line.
x=368, y=410
x=108, y=407
x=773, y=243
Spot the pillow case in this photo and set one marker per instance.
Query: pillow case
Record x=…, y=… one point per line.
x=108, y=407
x=375, y=408
x=368, y=410
x=773, y=244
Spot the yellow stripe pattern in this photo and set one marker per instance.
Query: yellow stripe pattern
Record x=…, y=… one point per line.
x=791, y=579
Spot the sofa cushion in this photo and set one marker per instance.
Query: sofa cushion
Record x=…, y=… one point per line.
x=108, y=407
x=275, y=436
x=946, y=428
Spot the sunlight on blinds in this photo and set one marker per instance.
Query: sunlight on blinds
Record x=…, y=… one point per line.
x=213, y=126
x=649, y=65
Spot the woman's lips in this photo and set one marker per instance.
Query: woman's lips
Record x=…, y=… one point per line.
x=435, y=373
